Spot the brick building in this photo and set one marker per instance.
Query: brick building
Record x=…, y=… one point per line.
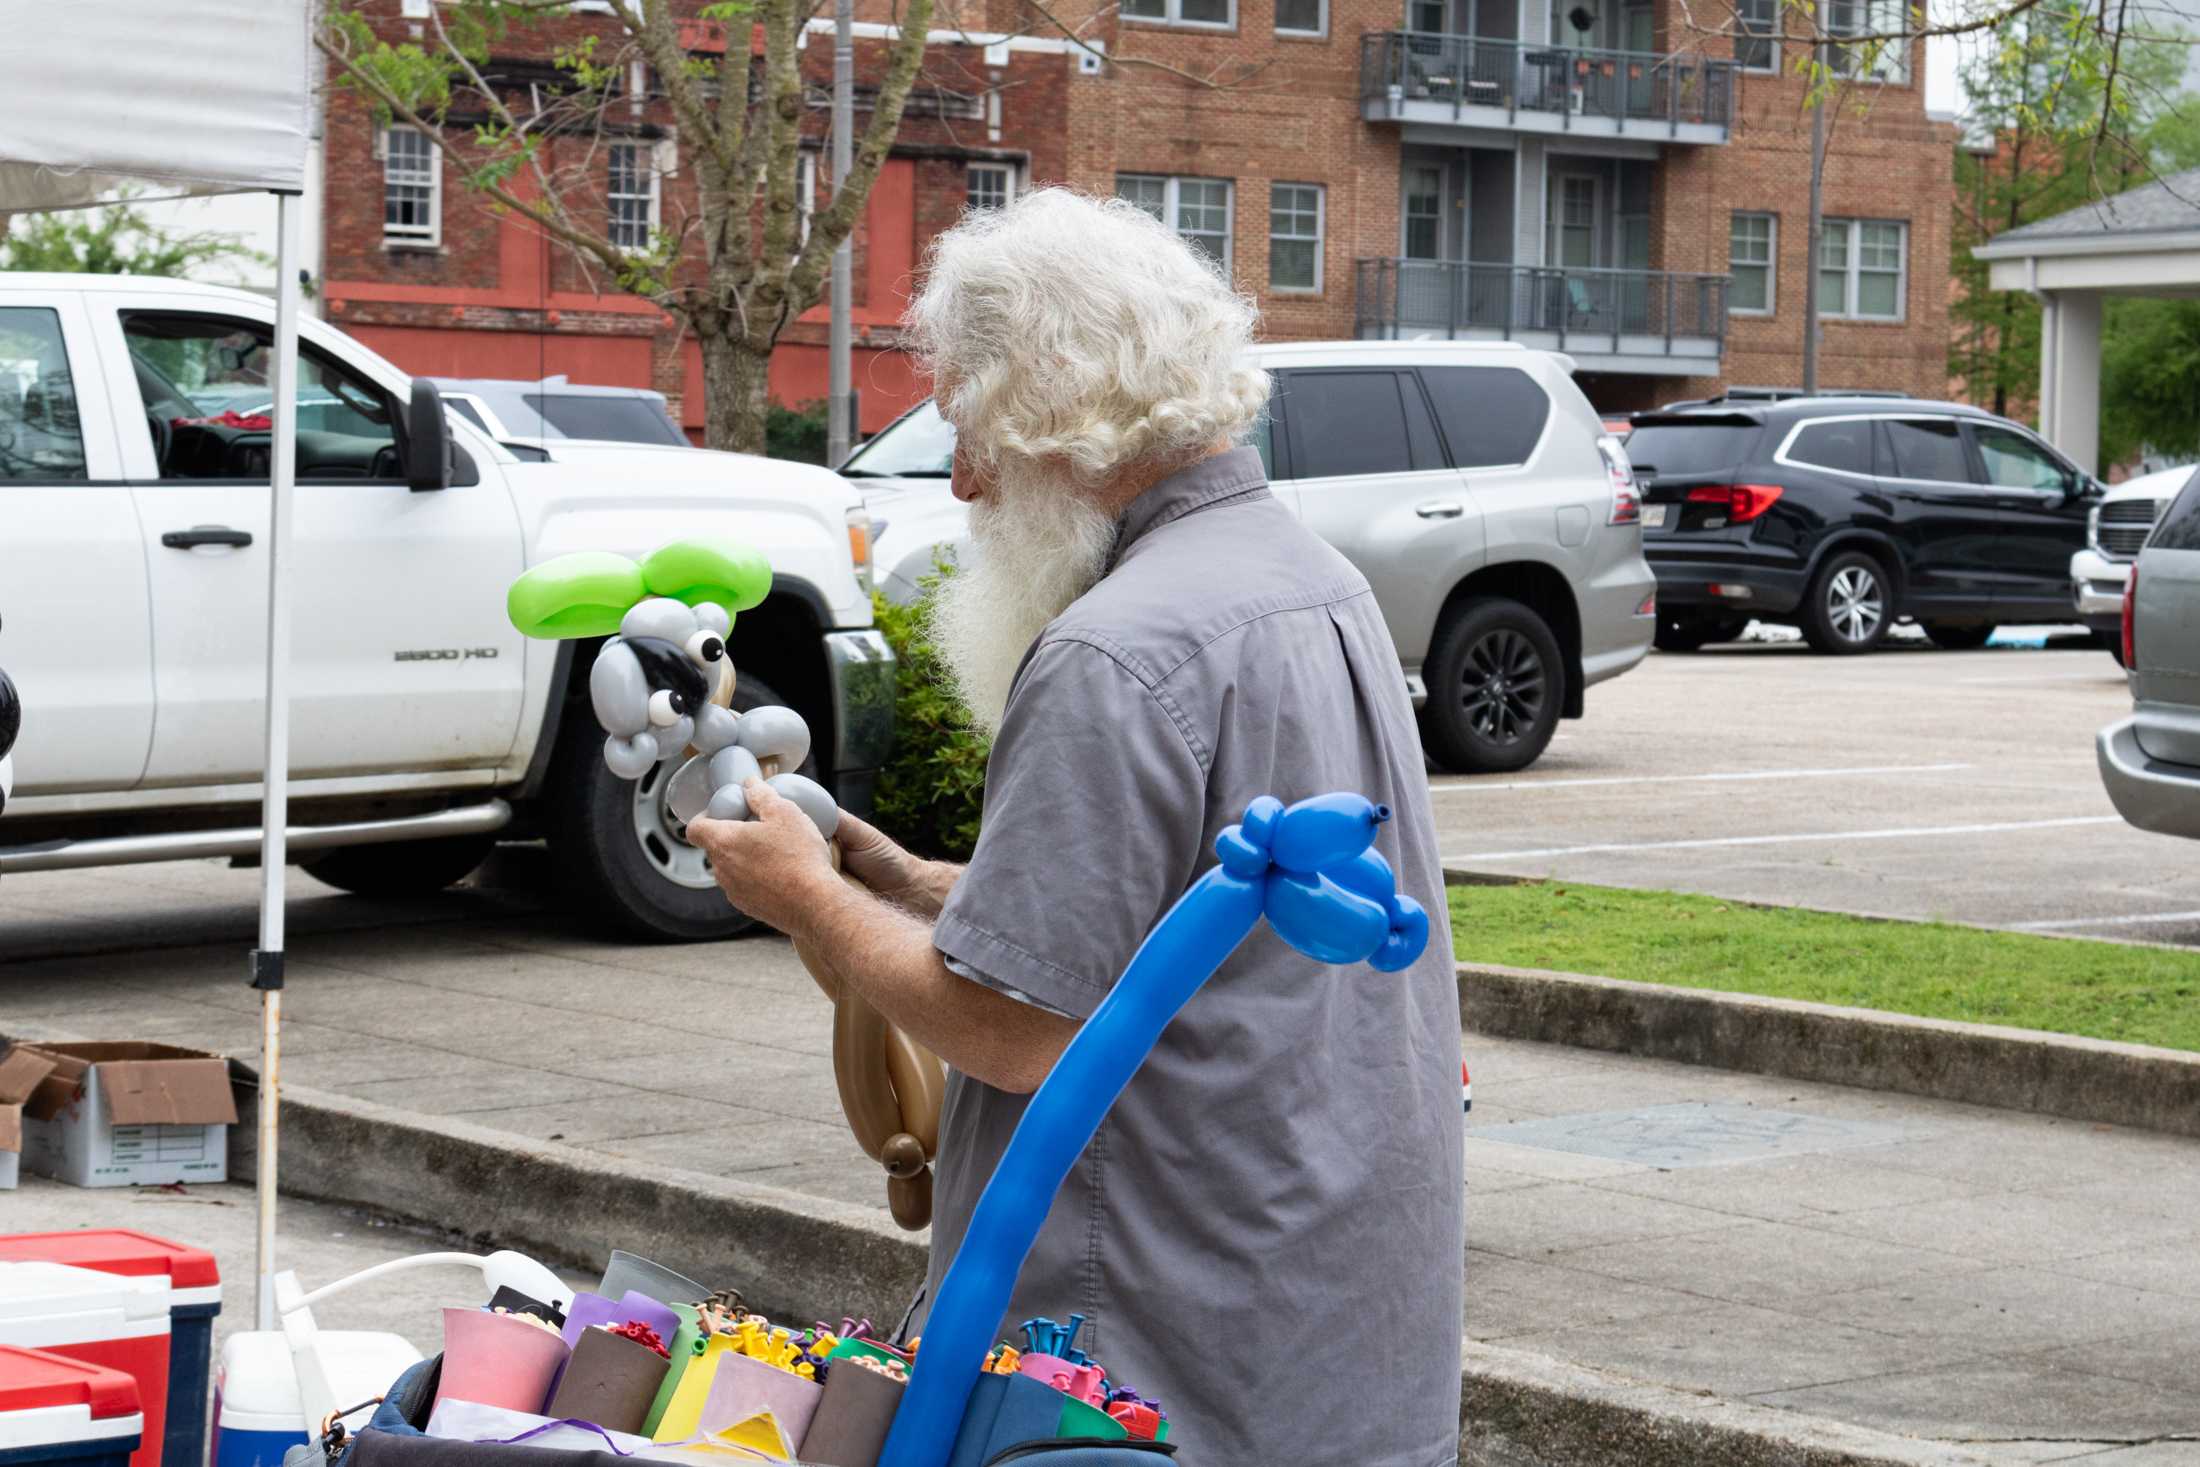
x=1597, y=180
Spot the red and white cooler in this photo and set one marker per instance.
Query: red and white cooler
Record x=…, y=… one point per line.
x=194, y=1299
x=99, y=1319
x=58, y=1412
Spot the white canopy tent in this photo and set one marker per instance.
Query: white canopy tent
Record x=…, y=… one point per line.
x=182, y=97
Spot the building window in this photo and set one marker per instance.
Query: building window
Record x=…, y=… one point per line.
x=1757, y=34
x=632, y=195
x=1862, y=264
x=1302, y=17
x=1294, y=236
x=1218, y=14
x=1198, y=209
x=989, y=186
x=412, y=188
x=1875, y=61
x=1424, y=213
x=1750, y=252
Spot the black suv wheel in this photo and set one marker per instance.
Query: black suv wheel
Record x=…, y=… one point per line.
x=1496, y=683
x=1849, y=605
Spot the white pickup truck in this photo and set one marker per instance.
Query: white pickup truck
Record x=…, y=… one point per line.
x=133, y=583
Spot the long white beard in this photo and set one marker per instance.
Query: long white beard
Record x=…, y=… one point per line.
x=1036, y=544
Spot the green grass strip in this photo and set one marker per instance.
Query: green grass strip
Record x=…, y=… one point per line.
x=1934, y=970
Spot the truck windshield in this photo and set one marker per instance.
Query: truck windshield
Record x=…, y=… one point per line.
x=618, y=419
x=917, y=445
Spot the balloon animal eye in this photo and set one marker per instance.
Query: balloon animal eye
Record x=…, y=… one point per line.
x=705, y=647
x=666, y=708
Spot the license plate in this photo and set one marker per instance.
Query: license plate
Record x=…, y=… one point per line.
x=1653, y=516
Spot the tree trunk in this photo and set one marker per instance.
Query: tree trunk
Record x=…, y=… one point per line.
x=735, y=391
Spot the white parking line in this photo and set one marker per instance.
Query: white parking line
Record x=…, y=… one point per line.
x=1909, y=833
x=2062, y=922
x=1479, y=786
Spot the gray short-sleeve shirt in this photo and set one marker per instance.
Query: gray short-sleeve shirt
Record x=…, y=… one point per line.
x=1267, y=1232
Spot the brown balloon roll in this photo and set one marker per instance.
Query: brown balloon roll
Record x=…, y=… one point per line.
x=611, y=1380
x=853, y=1417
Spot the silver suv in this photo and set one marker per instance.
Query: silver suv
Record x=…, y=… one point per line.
x=2150, y=762
x=1470, y=482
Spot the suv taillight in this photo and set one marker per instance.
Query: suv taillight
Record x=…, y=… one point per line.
x=2131, y=596
x=1626, y=501
x=1743, y=502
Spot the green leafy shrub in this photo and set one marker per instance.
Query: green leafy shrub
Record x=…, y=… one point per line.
x=932, y=790
x=796, y=433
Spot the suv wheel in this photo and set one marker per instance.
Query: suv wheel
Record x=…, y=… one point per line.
x=1690, y=631
x=1496, y=684
x=1958, y=637
x=621, y=858
x=1848, y=607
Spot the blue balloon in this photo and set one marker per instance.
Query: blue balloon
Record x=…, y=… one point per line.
x=1312, y=871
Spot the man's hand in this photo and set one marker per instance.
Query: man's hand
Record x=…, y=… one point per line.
x=773, y=867
x=909, y=882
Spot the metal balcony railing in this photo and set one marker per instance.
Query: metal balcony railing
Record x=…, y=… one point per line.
x=1626, y=311
x=1623, y=87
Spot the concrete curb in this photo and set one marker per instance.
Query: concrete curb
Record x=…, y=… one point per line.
x=2133, y=1085
x=807, y=1258
x=1522, y=1410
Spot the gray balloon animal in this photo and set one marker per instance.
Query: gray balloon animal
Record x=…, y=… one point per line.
x=651, y=688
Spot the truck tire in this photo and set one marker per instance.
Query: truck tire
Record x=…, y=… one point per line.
x=618, y=855
x=399, y=868
x=1496, y=683
x=1849, y=606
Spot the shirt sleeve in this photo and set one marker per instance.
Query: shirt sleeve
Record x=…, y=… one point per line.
x=1095, y=810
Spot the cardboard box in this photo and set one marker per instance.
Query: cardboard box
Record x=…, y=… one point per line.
x=21, y=1070
x=129, y=1114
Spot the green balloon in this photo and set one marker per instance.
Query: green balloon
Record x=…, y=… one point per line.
x=579, y=595
x=695, y=571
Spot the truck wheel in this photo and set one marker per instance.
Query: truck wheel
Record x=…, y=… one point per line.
x=619, y=856
x=1848, y=607
x=1496, y=683
x=399, y=868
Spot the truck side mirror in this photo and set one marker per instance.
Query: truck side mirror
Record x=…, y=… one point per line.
x=428, y=461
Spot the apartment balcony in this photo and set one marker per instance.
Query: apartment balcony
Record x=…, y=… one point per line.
x=1649, y=322
x=1466, y=81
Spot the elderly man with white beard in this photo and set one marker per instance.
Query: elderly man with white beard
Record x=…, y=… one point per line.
x=1267, y=1233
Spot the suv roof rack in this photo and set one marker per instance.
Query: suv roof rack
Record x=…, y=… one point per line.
x=1776, y=394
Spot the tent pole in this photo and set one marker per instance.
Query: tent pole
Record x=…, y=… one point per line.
x=267, y=959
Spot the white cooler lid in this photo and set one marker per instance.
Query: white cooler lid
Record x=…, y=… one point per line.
x=53, y=1304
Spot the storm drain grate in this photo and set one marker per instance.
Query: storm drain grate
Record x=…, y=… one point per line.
x=1691, y=1134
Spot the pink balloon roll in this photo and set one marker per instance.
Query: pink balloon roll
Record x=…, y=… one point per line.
x=498, y=1360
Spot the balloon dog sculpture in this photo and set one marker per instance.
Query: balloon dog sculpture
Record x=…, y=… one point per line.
x=1314, y=872
x=661, y=689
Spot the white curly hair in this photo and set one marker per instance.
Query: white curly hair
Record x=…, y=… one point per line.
x=1082, y=332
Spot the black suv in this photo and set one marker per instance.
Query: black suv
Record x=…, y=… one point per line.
x=1841, y=514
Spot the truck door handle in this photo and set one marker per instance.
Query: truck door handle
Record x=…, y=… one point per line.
x=205, y=535
x=1440, y=509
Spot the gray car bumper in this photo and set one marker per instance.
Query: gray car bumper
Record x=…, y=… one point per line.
x=2164, y=798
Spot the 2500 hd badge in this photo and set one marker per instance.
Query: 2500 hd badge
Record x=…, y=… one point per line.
x=444, y=654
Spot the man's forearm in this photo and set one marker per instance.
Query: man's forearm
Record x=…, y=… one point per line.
x=885, y=954
x=928, y=891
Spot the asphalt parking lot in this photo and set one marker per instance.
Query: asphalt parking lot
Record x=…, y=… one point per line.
x=1911, y=782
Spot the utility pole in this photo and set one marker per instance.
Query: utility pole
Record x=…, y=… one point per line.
x=1817, y=234
x=839, y=431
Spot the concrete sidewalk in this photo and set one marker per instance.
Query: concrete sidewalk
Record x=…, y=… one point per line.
x=2027, y=1287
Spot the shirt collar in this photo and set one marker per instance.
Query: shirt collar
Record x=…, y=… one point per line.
x=1230, y=474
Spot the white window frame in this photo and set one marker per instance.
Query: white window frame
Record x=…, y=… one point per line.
x=1892, y=66
x=1172, y=208
x=651, y=158
x=1317, y=239
x=1172, y=14
x=1853, y=268
x=1771, y=38
x=1006, y=172
x=430, y=236
x=1770, y=264
x=1321, y=25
